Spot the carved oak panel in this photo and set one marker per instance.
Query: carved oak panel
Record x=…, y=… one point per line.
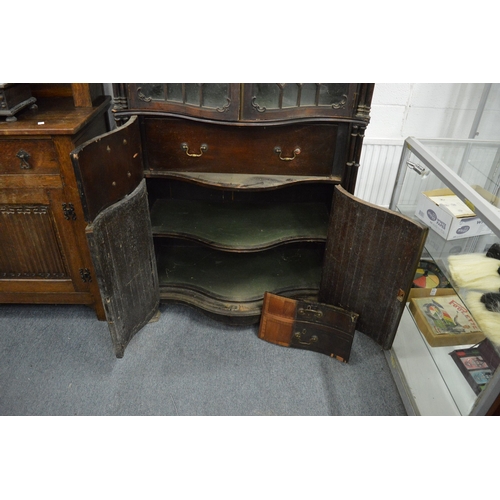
x=31, y=247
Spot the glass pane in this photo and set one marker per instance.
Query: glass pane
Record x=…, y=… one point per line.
x=332, y=93
x=487, y=129
x=266, y=95
x=290, y=95
x=476, y=162
x=308, y=95
x=192, y=93
x=215, y=95
x=152, y=91
x=174, y=92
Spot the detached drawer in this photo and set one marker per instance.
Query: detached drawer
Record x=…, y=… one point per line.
x=300, y=149
x=28, y=156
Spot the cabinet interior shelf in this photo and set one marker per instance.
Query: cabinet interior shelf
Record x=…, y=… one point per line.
x=255, y=182
x=240, y=226
x=235, y=278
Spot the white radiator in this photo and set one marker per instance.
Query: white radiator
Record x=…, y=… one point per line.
x=378, y=168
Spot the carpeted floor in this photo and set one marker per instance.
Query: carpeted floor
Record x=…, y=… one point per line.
x=58, y=360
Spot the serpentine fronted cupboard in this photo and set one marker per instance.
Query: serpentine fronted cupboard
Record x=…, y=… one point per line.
x=212, y=194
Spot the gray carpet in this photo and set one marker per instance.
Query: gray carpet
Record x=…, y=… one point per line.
x=58, y=360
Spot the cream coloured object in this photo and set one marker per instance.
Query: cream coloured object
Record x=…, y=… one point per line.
x=475, y=271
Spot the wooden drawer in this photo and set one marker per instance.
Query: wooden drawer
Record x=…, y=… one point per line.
x=28, y=156
x=182, y=145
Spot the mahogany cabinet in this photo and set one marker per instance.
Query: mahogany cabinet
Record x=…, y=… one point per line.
x=44, y=256
x=212, y=194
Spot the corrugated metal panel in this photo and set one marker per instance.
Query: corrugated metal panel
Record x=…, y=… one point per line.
x=378, y=168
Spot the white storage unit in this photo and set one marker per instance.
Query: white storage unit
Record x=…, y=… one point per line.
x=429, y=381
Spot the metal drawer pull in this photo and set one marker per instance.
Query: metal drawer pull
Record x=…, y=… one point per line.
x=185, y=147
x=296, y=152
x=313, y=339
x=309, y=310
x=24, y=157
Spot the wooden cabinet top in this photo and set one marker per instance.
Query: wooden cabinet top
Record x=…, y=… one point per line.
x=54, y=116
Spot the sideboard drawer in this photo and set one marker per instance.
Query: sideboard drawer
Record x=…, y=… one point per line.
x=28, y=156
x=298, y=149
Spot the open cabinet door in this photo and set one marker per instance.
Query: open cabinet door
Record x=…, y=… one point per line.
x=370, y=261
x=109, y=174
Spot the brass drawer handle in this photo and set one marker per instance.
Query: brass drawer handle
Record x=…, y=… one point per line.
x=296, y=152
x=298, y=336
x=310, y=310
x=185, y=147
x=24, y=156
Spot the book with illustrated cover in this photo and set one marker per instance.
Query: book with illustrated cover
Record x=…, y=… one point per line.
x=474, y=368
x=444, y=320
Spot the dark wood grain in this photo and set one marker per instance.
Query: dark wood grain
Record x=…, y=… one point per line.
x=41, y=156
x=30, y=244
x=249, y=150
x=370, y=261
x=122, y=250
x=108, y=168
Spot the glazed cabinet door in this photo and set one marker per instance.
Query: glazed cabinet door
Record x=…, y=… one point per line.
x=370, y=261
x=114, y=197
x=267, y=101
x=219, y=101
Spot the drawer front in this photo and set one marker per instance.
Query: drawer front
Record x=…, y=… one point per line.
x=28, y=156
x=299, y=149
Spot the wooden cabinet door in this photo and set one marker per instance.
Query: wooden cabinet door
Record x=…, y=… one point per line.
x=36, y=254
x=370, y=261
x=109, y=175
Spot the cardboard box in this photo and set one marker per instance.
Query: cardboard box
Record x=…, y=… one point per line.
x=447, y=215
x=442, y=317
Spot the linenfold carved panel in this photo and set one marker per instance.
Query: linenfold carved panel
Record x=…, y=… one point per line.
x=30, y=243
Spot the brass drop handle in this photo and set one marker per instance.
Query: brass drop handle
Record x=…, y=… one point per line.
x=298, y=336
x=24, y=156
x=296, y=152
x=185, y=147
x=310, y=310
